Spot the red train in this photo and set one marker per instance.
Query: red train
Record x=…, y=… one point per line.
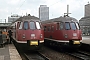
x=63, y=32
x=27, y=32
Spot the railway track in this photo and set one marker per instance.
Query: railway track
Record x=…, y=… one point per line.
x=35, y=56
x=81, y=55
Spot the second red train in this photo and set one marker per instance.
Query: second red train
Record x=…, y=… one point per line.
x=62, y=31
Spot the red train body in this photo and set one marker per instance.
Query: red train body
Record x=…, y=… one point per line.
x=27, y=32
x=62, y=31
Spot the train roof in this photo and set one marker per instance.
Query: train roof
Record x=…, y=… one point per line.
x=27, y=18
x=61, y=19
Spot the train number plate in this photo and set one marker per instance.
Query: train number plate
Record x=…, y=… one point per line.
x=33, y=42
x=76, y=42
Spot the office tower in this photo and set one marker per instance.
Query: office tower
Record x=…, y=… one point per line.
x=43, y=12
x=87, y=10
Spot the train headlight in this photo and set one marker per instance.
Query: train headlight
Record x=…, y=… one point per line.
x=41, y=41
x=41, y=36
x=66, y=36
x=23, y=36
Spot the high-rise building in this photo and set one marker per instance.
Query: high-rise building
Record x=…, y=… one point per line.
x=84, y=22
x=43, y=12
x=87, y=10
x=13, y=18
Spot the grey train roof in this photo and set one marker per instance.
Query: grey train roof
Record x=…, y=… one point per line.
x=27, y=18
x=61, y=19
x=85, y=21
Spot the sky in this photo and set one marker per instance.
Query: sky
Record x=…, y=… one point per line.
x=57, y=8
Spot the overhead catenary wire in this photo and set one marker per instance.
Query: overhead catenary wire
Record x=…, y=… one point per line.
x=20, y=6
x=54, y=3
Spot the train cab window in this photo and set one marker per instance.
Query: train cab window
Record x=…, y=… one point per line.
x=73, y=27
x=77, y=25
x=20, y=27
x=61, y=26
x=38, y=25
x=67, y=26
x=32, y=25
x=25, y=26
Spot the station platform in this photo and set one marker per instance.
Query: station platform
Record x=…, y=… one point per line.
x=86, y=39
x=9, y=52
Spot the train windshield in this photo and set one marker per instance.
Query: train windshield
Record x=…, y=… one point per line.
x=67, y=26
x=37, y=25
x=73, y=26
x=61, y=26
x=25, y=25
x=32, y=25
x=77, y=26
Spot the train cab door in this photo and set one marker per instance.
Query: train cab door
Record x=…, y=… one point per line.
x=52, y=31
x=70, y=30
x=61, y=30
x=17, y=28
x=67, y=31
x=23, y=32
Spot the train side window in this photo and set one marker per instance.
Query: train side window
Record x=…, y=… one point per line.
x=21, y=25
x=32, y=25
x=57, y=26
x=38, y=25
x=45, y=28
x=67, y=26
x=25, y=26
x=61, y=26
x=52, y=28
x=18, y=25
x=48, y=28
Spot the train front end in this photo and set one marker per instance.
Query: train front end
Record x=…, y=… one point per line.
x=30, y=36
x=72, y=34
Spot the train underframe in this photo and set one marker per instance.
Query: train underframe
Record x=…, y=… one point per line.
x=30, y=45
x=26, y=46
x=62, y=45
